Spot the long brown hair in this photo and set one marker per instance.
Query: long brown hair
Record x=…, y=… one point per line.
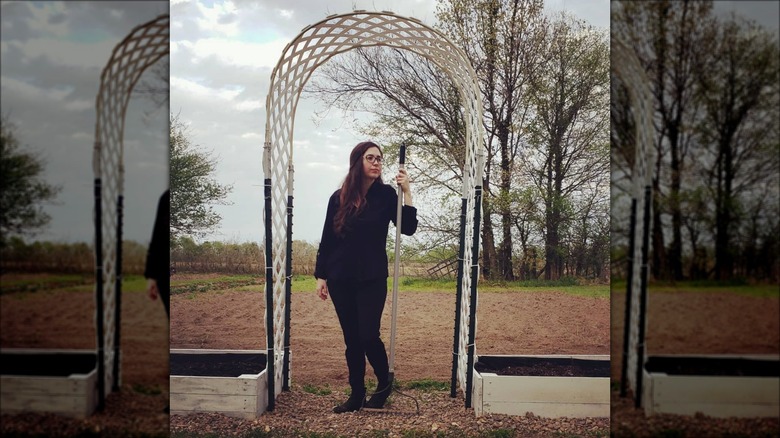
x=351, y=197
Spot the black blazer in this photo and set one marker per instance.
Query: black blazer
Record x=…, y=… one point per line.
x=360, y=254
x=158, y=256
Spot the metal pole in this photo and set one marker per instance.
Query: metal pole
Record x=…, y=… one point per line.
x=396, y=264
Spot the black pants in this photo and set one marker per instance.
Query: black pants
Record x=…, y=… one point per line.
x=359, y=307
x=164, y=289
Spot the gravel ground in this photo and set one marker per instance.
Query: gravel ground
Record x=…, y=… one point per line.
x=630, y=422
x=301, y=413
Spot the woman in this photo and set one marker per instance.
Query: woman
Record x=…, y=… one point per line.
x=352, y=266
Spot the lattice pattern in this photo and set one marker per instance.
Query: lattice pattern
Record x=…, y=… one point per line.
x=634, y=78
x=310, y=49
x=144, y=45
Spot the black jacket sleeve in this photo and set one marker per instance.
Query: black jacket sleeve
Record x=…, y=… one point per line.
x=327, y=241
x=158, y=255
x=408, y=220
x=408, y=216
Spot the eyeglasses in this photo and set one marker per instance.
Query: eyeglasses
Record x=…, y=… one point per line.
x=373, y=159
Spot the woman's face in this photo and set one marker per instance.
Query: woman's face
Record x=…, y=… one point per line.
x=372, y=163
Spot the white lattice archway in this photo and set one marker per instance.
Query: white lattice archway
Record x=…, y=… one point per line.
x=633, y=77
x=141, y=48
x=316, y=44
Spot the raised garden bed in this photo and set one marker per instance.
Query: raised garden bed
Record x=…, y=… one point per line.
x=229, y=382
x=714, y=385
x=56, y=381
x=545, y=385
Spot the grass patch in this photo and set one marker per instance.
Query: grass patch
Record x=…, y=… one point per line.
x=67, y=282
x=426, y=385
x=134, y=283
x=738, y=287
x=756, y=290
x=304, y=283
x=44, y=282
x=217, y=283
x=307, y=283
x=147, y=390
x=316, y=390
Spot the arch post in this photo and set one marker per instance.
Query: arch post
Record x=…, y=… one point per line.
x=141, y=48
x=314, y=45
x=633, y=76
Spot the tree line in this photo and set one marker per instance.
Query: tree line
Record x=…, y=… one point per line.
x=716, y=142
x=63, y=257
x=544, y=86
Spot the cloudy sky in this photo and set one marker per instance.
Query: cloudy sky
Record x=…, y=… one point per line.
x=52, y=54
x=52, y=57
x=222, y=56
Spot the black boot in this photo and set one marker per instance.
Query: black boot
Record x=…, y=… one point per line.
x=353, y=403
x=379, y=397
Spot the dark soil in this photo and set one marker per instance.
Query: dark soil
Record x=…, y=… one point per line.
x=542, y=366
x=47, y=364
x=216, y=365
x=712, y=366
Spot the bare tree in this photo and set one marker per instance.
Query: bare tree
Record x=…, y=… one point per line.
x=740, y=92
x=672, y=40
x=569, y=151
x=504, y=40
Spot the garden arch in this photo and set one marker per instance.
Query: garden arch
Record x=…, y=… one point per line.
x=314, y=45
x=141, y=48
x=633, y=77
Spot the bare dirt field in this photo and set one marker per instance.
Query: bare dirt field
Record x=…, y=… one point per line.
x=507, y=323
x=65, y=319
x=543, y=322
x=696, y=322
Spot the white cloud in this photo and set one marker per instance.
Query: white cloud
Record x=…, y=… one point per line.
x=80, y=105
x=286, y=13
x=195, y=89
x=253, y=136
x=82, y=135
x=249, y=105
x=41, y=13
x=315, y=165
x=236, y=53
x=66, y=53
x=32, y=93
x=211, y=17
x=116, y=13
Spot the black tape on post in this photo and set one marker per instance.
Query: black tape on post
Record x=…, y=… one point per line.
x=287, y=298
x=473, y=302
x=643, y=298
x=269, y=298
x=627, y=314
x=101, y=366
x=458, y=299
x=118, y=292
